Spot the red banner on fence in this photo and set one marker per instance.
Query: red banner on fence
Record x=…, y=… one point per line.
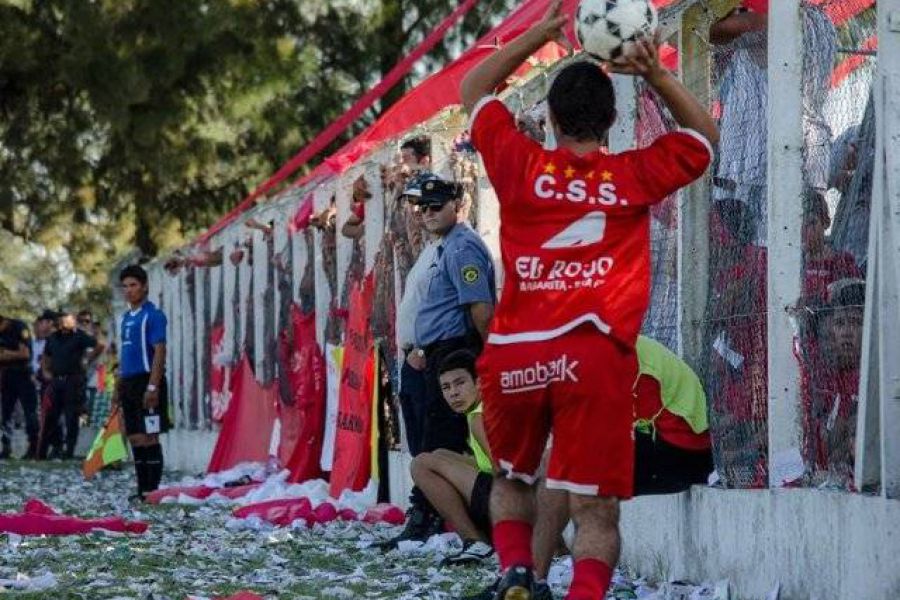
x=247, y=424
x=353, y=443
x=303, y=421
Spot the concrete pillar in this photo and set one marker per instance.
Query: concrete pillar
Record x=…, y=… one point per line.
x=321, y=200
x=187, y=398
x=201, y=344
x=344, y=197
x=374, y=230
x=886, y=222
x=262, y=311
x=785, y=219
x=229, y=288
x=300, y=252
x=245, y=292
x=622, y=134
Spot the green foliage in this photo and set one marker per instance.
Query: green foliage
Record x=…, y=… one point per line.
x=138, y=122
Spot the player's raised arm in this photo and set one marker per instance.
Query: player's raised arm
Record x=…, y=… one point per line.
x=483, y=79
x=642, y=59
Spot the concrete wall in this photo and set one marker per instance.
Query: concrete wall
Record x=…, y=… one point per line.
x=814, y=543
x=188, y=451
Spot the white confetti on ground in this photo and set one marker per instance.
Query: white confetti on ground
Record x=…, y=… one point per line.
x=201, y=551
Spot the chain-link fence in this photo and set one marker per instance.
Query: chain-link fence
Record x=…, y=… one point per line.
x=661, y=320
x=735, y=326
x=837, y=181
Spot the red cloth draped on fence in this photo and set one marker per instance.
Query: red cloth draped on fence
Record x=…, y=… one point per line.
x=303, y=422
x=247, y=424
x=353, y=444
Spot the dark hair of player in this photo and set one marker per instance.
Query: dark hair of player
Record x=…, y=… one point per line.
x=582, y=102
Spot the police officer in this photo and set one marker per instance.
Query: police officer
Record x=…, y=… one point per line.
x=16, y=383
x=454, y=314
x=65, y=354
x=141, y=385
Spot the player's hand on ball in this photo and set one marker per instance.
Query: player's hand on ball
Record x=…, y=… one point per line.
x=551, y=26
x=641, y=58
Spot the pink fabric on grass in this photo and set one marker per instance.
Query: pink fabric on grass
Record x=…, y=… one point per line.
x=37, y=518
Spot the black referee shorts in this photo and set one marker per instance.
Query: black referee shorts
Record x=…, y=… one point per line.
x=131, y=397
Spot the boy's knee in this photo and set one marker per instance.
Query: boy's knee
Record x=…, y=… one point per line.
x=443, y=453
x=421, y=462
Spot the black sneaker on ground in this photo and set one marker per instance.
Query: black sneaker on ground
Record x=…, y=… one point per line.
x=32, y=452
x=516, y=584
x=542, y=591
x=420, y=525
x=473, y=553
x=137, y=498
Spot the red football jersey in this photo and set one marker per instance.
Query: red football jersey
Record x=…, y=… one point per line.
x=574, y=230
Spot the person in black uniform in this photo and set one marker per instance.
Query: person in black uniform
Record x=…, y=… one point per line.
x=65, y=354
x=16, y=384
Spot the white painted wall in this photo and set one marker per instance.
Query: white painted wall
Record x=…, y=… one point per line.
x=816, y=544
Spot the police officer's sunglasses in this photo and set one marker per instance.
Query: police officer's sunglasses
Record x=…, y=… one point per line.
x=432, y=207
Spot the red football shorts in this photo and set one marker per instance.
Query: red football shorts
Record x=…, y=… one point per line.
x=579, y=388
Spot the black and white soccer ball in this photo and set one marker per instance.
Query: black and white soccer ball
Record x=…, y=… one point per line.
x=606, y=27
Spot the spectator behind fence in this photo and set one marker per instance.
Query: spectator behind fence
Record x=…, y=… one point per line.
x=141, y=388
x=454, y=314
x=822, y=265
x=830, y=381
x=737, y=376
x=742, y=167
x=64, y=358
x=415, y=158
x=353, y=226
x=17, y=384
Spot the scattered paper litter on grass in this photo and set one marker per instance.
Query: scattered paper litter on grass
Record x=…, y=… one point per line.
x=24, y=583
x=200, y=551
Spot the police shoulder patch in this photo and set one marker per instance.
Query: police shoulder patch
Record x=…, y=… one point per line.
x=470, y=274
x=25, y=334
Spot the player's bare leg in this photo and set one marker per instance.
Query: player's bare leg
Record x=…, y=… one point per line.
x=552, y=516
x=597, y=545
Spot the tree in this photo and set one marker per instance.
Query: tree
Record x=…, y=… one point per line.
x=138, y=122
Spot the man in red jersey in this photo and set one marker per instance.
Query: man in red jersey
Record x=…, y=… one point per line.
x=575, y=244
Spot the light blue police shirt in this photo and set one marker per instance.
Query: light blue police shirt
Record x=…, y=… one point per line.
x=461, y=274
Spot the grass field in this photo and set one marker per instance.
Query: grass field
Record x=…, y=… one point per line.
x=201, y=551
